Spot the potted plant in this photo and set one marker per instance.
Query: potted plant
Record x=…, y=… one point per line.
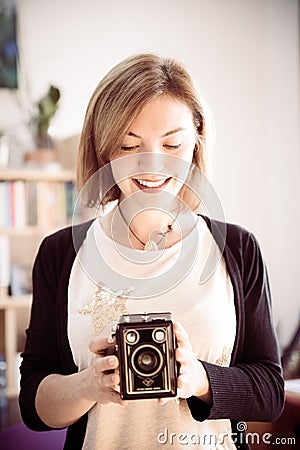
x=46, y=108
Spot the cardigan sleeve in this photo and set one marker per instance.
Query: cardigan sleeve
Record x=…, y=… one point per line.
x=252, y=388
x=41, y=356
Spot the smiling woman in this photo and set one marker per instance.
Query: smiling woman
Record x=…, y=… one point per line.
x=164, y=127
x=156, y=133
x=142, y=163
x=146, y=77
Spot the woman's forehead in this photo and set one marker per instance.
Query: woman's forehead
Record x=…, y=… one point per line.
x=164, y=115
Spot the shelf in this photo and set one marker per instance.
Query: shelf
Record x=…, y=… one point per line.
x=10, y=307
x=13, y=302
x=31, y=174
x=30, y=231
x=12, y=392
x=43, y=198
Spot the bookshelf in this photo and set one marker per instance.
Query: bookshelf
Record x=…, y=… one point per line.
x=34, y=203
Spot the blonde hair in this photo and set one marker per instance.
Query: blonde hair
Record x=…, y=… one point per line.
x=117, y=101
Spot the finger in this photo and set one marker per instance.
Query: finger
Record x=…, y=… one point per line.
x=100, y=343
x=163, y=401
x=181, y=334
x=182, y=355
x=114, y=397
x=110, y=380
x=182, y=381
x=183, y=385
x=106, y=363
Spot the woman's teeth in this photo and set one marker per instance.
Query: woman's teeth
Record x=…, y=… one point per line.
x=151, y=184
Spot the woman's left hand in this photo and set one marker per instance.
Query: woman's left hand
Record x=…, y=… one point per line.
x=192, y=379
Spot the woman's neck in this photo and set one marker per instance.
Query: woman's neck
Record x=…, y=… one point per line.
x=151, y=228
x=146, y=229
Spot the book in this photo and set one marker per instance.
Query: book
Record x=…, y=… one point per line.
x=18, y=204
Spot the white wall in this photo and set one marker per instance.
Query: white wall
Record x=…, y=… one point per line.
x=244, y=56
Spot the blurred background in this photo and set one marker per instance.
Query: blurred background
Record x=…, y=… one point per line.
x=244, y=58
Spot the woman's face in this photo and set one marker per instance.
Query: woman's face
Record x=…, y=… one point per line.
x=163, y=139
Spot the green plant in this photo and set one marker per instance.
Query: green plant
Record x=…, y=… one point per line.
x=46, y=109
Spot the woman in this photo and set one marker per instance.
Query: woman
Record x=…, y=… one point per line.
x=142, y=147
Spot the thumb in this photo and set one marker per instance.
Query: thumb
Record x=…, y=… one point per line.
x=100, y=344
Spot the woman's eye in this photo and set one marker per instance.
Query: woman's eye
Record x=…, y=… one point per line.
x=128, y=148
x=172, y=147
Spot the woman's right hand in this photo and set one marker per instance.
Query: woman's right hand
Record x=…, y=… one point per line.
x=104, y=372
x=62, y=399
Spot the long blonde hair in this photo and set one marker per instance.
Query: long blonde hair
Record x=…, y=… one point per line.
x=117, y=101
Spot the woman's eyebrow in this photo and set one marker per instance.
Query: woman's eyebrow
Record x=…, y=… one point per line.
x=134, y=135
x=168, y=133
x=174, y=131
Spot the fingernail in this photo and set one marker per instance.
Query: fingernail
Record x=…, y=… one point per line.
x=110, y=339
x=111, y=361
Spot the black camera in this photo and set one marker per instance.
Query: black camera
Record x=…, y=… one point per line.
x=145, y=346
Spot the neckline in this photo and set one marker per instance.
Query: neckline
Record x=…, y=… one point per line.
x=199, y=223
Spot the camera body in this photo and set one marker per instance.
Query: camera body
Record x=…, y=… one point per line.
x=145, y=346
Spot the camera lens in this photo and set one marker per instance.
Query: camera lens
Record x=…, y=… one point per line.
x=159, y=335
x=132, y=336
x=147, y=360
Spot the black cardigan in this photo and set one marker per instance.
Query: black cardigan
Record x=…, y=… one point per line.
x=251, y=389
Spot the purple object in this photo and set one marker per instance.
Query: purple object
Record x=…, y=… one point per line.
x=19, y=437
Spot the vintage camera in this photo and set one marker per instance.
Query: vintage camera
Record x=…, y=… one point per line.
x=145, y=346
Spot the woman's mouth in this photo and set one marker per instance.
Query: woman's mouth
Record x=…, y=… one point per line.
x=151, y=184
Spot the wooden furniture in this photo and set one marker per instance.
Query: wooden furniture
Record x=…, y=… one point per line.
x=47, y=196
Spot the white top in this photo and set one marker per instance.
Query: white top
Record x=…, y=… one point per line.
x=107, y=280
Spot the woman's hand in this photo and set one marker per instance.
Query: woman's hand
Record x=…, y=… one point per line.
x=192, y=378
x=104, y=373
x=62, y=399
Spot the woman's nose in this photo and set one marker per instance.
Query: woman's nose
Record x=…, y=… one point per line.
x=151, y=161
